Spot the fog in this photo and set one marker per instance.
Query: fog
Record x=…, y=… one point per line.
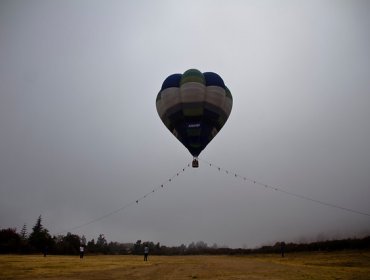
x=81, y=140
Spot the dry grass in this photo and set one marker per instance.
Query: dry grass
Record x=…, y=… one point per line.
x=338, y=265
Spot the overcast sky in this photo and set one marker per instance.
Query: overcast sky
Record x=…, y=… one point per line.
x=80, y=136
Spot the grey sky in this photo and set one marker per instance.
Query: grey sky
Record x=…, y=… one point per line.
x=80, y=136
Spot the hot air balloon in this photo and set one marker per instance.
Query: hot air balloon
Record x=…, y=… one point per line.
x=194, y=106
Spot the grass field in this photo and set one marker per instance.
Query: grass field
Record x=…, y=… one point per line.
x=337, y=265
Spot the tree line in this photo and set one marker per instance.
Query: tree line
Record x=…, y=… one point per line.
x=40, y=241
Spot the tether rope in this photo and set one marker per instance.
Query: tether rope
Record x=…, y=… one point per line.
x=136, y=201
x=279, y=189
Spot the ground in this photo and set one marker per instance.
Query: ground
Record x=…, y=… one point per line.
x=318, y=265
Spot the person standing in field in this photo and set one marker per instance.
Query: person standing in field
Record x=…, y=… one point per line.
x=282, y=249
x=146, y=253
x=45, y=251
x=82, y=249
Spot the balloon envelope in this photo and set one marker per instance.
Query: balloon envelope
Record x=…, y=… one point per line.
x=194, y=106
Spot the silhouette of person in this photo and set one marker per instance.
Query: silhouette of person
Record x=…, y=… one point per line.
x=45, y=251
x=282, y=249
x=146, y=253
x=82, y=250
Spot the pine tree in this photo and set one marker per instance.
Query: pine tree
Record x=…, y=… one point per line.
x=40, y=238
x=38, y=226
x=83, y=240
x=24, y=233
x=102, y=244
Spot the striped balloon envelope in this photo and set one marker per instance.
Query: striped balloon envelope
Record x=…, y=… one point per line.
x=194, y=106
